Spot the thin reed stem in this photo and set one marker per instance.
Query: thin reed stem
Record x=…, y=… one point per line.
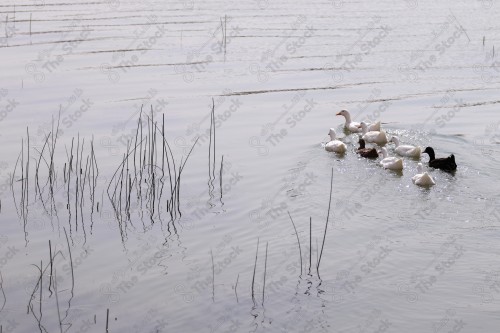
x=265, y=270
x=326, y=224
x=298, y=242
x=254, y=269
x=213, y=276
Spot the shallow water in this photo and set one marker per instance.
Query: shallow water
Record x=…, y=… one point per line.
x=396, y=257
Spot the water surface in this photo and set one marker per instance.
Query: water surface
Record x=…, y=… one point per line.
x=396, y=257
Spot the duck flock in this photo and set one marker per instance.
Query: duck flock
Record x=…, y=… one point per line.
x=373, y=134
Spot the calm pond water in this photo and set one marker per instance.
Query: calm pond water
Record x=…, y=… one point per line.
x=95, y=234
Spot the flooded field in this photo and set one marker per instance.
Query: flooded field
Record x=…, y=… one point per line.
x=163, y=168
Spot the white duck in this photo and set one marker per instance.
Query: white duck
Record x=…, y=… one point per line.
x=391, y=163
x=378, y=137
x=422, y=178
x=353, y=126
x=335, y=145
x=406, y=150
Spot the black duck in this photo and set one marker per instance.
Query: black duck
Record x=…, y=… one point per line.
x=443, y=163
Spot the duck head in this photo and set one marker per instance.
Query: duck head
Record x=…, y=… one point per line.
x=346, y=115
x=363, y=126
x=395, y=139
x=383, y=152
x=332, y=134
x=429, y=151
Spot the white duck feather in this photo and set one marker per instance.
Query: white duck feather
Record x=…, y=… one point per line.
x=406, y=150
x=422, y=178
x=378, y=137
x=390, y=162
x=353, y=126
x=335, y=145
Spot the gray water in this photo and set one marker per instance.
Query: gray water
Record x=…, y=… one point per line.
x=396, y=257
